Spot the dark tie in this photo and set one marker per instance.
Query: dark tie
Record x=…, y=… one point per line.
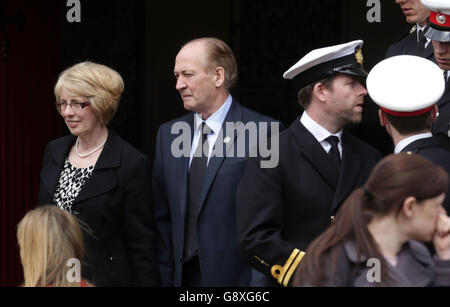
x=334, y=152
x=421, y=43
x=196, y=176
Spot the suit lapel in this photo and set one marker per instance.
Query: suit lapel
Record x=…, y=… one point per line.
x=309, y=147
x=415, y=146
x=182, y=169
x=351, y=165
x=103, y=178
x=50, y=173
x=234, y=116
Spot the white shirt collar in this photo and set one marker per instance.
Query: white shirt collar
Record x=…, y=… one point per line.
x=215, y=121
x=319, y=132
x=402, y=145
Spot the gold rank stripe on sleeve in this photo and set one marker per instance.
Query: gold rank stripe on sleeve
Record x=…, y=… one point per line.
x=284, y=274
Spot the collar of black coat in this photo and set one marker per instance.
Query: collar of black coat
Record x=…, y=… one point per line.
x=109, y=158
x=420, y=144
x=416, y=249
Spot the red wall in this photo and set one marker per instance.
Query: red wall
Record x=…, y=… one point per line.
x=28, y=119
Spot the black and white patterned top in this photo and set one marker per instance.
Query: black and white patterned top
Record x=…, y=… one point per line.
x=71, y=182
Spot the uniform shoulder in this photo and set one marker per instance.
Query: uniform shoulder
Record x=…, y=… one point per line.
x=249, y=114
x=60, y=141
x=128, y=149
x=397, y=48
x=363, y=145
x=407, y=34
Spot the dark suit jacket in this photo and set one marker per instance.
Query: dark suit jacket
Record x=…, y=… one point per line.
x=430, y=149
x=441, y=126
x=115, y=204
x=282, y=210
x=407, y=45
x=220, y=262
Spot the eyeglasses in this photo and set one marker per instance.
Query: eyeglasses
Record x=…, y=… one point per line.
x=74, y=105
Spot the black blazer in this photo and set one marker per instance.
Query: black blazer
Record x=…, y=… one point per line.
x=115, y=204
x=430, y=148
x=408, y=45
x=220, y=261
x=280, y=211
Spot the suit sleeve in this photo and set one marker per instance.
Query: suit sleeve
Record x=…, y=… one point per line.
x=161, y=215
x=260, y=223
x=140, y=230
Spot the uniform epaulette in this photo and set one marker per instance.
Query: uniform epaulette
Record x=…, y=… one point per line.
x=409, y=32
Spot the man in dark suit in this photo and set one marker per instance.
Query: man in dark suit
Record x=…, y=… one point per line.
x=408, y=118
x=281, y=210
x=196, y=173
x=413, y=42
x=439, y=34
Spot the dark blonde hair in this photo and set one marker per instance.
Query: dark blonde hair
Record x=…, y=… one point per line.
x=48, y=238
x=101, y=85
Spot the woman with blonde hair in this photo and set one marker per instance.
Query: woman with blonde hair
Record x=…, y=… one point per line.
x=101, y=179
x=377, y=236
x=51, y=248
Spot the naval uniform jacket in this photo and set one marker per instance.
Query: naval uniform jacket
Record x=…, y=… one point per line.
x=408, y=45
x=115, y=205
x=280, y=211
x=429, y=148
x=220, y=261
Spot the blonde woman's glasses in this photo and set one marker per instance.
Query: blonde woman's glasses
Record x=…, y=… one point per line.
x=74, y=105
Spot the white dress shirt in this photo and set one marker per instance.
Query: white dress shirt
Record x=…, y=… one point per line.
x=320, y=133
x=215, y=123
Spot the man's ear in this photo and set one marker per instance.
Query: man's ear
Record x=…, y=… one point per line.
x=320, y=91
x=383, y=119
x=384, y=122
x=219, y=76
x=434, y=113
x=408, y=206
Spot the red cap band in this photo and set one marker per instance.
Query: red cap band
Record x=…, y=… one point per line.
x=439, y=19
x=407, y=114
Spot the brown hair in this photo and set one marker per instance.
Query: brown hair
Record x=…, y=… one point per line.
x=220, y=55
x=48, y=238
x=305, y=95
x=409, y=125
x=393, y=180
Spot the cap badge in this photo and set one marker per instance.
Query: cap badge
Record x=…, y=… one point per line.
x=441, y=19
x=359, y=56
